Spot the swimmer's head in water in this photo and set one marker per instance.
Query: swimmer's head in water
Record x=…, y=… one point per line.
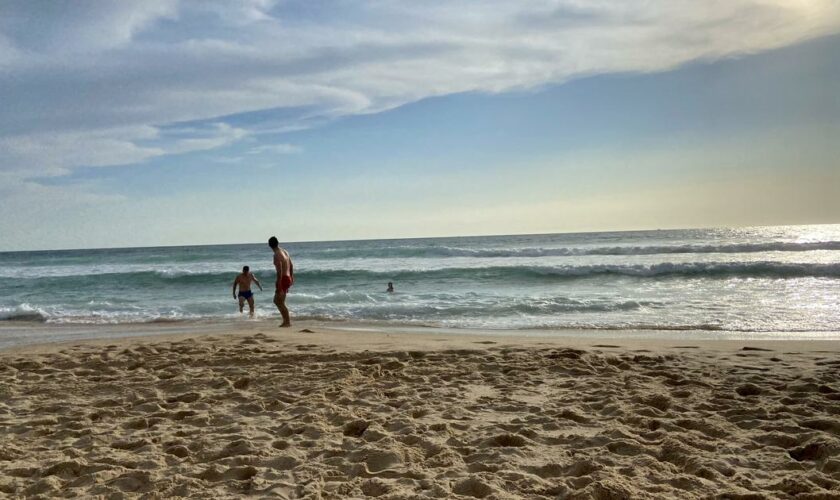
x=273, y=243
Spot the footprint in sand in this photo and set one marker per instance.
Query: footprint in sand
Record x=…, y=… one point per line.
x=283, y=463
x=179, y=451
x=473, y=487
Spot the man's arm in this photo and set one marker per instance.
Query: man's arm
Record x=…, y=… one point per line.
x=235, y=282
x=256, y=281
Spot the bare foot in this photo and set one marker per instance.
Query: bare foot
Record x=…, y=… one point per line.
x=286, y=325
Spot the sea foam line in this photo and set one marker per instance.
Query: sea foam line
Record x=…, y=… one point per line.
x=512, y=274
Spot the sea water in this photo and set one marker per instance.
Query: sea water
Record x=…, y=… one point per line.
x=762, y=279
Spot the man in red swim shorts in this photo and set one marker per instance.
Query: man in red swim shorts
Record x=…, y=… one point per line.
x=285, y=278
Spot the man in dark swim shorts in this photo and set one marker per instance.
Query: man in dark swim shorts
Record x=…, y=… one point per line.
x=285, y=278
x=244, y=281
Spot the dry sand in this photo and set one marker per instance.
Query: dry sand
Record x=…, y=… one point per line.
x=293, y=414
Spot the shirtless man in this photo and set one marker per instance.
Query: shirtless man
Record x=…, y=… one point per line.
x=285, y=278
x=244, y=281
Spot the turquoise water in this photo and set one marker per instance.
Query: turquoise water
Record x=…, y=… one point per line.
x=748, y=280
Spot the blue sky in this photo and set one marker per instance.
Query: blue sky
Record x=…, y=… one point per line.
x=213, y=122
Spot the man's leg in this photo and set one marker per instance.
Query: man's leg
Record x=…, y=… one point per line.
x=280, y=302
x=241, y=304
x=251, y=306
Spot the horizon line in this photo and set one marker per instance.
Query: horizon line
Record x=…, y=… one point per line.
x=425, y=237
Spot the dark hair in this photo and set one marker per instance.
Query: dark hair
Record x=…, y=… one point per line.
x=273, y=243
x=246, y=269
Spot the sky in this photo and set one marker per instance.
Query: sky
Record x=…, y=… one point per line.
x=168, y=122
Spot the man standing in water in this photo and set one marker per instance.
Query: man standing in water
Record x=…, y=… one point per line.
x=285, y=278
x=244, y=282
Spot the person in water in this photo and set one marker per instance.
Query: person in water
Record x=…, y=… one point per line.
x=244, y=282
x=390, y=287
x=285, y=278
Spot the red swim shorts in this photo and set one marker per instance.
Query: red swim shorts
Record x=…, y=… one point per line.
x=284, y=284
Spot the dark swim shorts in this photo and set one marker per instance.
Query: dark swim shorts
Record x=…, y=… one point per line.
x=247, y=294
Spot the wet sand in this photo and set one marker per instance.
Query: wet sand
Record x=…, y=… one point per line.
x=330, y=413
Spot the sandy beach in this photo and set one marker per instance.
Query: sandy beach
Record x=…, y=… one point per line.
x=313, y=412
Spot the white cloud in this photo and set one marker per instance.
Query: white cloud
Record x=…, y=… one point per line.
x=218, y=135
x=86, y=83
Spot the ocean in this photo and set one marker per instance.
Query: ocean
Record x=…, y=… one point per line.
x=760, y=279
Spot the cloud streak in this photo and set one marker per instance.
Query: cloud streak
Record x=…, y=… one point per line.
x=84, y=85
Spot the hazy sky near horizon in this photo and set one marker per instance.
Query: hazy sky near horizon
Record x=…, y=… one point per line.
x=169, y=122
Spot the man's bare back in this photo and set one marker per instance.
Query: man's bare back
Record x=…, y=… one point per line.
x=285, y=278
x=282, y=263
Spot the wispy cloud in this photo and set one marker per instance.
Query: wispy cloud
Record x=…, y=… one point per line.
x=92, y=84
x=275, y=149
x=263, y=154
x=55, y=153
